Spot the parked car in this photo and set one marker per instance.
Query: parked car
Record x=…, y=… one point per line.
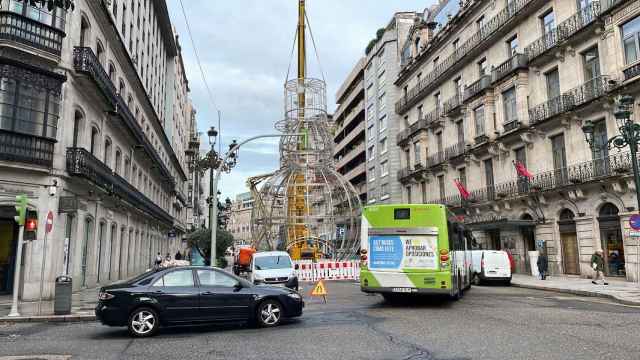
x=192, y=295
x=272, y=268
x=490, y=266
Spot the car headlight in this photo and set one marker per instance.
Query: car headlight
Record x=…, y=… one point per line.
x=295, y=296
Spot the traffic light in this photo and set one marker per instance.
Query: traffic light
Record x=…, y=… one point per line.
x=21, y=208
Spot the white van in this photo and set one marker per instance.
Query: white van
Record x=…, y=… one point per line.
x=490, y=265
x=273, y=268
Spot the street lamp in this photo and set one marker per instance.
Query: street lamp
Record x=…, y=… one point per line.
x=629, y=136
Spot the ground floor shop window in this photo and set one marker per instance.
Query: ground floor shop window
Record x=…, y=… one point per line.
x=611, y=240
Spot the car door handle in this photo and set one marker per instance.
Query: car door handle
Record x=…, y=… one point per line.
x=158, y=292
x=207, y=293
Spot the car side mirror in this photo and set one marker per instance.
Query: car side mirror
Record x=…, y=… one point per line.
x=238, y=286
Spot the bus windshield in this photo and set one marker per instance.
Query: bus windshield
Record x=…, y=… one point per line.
x=272, y=262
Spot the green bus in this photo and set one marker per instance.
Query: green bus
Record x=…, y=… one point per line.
x=414, y=249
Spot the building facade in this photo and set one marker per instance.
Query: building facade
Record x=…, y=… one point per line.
x=489, y=85
x=382, y=66
x=350, y=150
x=240, y=218
x=83, y=135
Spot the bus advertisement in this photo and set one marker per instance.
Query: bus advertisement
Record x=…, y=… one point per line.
x=414, y=249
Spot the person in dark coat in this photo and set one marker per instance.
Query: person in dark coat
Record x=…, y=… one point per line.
x=543, y=266
x=178, y=256
x=597, y=263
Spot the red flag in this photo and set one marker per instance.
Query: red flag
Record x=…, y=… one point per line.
x=463, y=191
x=522, y=170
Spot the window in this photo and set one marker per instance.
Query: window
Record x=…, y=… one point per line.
x=438, y=100
x=116, y=166
x=115, y=8
x=521, y=156
x=460, y=131
x=107, y=151
x=215, y=278
x=458, y=87
x=423, y=187
x=441, y=186
x=383, y=123
x=112, y=73
x=509, y=100
x=94, y=141
x=553, y=84
x=548, y=21
x=480, y=22
x=372, y=134
x=512, y=46
x=420, y=112
x=55, y=18
x=478, y=115
x=455, y=44
x=409, y=194
x=384, y=191
x=462, y=176
x=84, y=32
x=176, y=278
x=416, y=152
x=371, y=155
x=77, y=123
x=631, y=40
x=383, y=146
x=482, y=67
x=372, y=174
x=384, y=168
x=591, y=60
x=439, y=142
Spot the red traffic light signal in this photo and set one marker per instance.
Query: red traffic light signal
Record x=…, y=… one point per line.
x=31, y=225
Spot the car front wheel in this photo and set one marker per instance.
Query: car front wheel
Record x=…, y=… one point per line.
x=143, y=322
x=269, y=313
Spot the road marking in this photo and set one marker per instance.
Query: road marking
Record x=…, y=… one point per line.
x=594, y=300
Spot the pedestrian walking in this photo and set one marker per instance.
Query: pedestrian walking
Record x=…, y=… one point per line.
x=543, y=266
x=167, y=258
x=158, y=260
x=597, y=263
x=178, y=256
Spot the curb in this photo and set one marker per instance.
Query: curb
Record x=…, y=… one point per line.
x=48, y=318
x=578, y=292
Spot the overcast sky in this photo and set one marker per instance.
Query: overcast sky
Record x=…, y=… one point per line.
x=245, y=47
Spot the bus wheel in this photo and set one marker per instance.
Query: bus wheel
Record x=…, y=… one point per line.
x=390, y=298
x=460, y=287
x=457, y=295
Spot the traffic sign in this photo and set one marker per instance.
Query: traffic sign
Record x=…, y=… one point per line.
x=634, y=221
x=49, y=225
x=320, y=290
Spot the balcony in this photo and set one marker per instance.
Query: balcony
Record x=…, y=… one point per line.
x=476, y=88
x=631, y=71
x=496, y=26
x=85, y=62
x=354, y=152
x=453, y=105
x=481, y=139
x=512, y=125
x=20, y=29
x=180, y=195
x=606, y=6
x=434, y=118
x=27, y=149
x=357, y=131
x=570, y=100
x=456, y=150
x=404, y=175
x=355, y=172
x=436, y=159
x=513, y=64
x=564, y=31
x=82, y=163
x=405, y=135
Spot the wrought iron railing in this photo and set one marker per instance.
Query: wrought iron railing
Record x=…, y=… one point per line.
x=608, y=5
x=481, y=139
x=578, y=96
x=21, y=29
x=452, y=104
x=82, y=163
x=24, y=148
x=406, y=134
x=564, y=30
x=404, y=174
x=455, y=150
x=513, y=64
x=180, y=195
x=631, y=71
x=511, y=125
x=436, y=159
x=618, y=164
x=85, y=62
x=432, y=80
x=477, y=87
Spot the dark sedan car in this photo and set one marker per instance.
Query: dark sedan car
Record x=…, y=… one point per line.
x=192, y=295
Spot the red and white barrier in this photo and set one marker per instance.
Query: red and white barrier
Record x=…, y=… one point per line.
x=306, y=270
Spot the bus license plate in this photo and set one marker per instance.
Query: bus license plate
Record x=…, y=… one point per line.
x=403, y=290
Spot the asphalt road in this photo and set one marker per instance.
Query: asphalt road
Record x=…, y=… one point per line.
x=489, y=323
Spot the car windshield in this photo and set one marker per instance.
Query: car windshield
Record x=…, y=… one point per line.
x=272, y=262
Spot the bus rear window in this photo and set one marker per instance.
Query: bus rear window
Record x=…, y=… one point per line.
x=401, y=214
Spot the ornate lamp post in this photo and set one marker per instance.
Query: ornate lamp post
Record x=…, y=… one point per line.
x=629, y=135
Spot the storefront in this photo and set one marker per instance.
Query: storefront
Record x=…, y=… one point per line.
x=8, y=243
x=611, y=240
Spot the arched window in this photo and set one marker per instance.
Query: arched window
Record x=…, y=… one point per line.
x=127, y=165
x=566, y=215
x=107, y=151
x=417, y=43
x=94, y=141
x=100, y=53
x=77, y=127
x=609, y=209
x=88, y=235
x=84, y=31
x=112, y=72
x=116, y=166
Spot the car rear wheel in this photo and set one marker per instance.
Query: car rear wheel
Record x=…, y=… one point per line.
x=269, y=313
x=143, y=322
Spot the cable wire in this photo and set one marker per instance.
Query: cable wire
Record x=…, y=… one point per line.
x=195, y=50
x=313, y=40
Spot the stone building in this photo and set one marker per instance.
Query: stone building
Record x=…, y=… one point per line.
x=382, y=66
x=487, y=84
x=350, y=151
x=240, y=218
x=89, y=132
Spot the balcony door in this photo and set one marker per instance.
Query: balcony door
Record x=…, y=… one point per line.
x=600, y=152
x=523, y=182
x=559, y=154
x=489, y=179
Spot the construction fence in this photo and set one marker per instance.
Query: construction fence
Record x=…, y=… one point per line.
x=308, y=270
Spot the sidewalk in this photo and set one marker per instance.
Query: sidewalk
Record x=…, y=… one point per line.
x=622, y=291
x=82, y=308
